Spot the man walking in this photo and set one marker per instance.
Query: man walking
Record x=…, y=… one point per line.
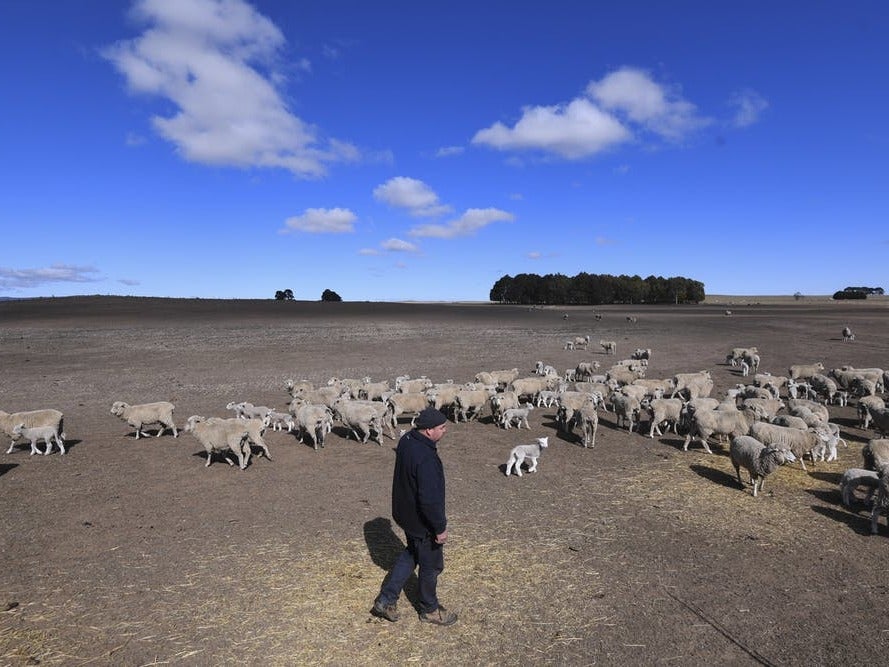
x=418, y=506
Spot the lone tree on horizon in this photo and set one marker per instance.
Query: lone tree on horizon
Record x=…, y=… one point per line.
x=330, y=295
x=284, y=295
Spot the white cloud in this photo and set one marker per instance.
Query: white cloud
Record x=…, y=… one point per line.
x=57, y=273
x=409, y=193
x=632, y=92
x=129, y=282
x=322, y=221
x=611, y=112
x=748, y=105
x=448, y=151
x=467, y=224
x=534, y=255
x=390, y=245
x=207, y=57
x=397, y=245
x=575, y=131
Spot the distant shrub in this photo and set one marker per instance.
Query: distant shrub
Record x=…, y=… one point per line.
x=330, y=295
x=846, y=294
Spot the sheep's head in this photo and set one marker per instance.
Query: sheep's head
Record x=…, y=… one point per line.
x=543, y=442
x=118, y=407
x=18, y=429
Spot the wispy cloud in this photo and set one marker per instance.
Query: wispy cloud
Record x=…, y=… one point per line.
x=601, y=240
x=611, y=112
x=448, y=151
x=57, y=273
x=215, y=61
x=391, y=245
x=411, y=194
x=748, y=106
x=534, y=255
x=467, y=224
x=129, y=282
x=322, y=221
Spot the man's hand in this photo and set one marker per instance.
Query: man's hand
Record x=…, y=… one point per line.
x=442, y=537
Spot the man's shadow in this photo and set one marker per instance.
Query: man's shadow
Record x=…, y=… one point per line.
x=384, y=546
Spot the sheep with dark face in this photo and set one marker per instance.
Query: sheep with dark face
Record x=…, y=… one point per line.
x=758, y=459
x=881, y=499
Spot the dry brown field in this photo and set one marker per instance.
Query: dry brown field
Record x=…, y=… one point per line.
x=132, y=552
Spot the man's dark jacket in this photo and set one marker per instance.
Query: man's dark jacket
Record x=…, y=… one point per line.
x=418, y=486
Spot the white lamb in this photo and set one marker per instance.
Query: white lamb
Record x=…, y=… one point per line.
x=516, y=416
x=37, y=433
x=521, y=452
x=146, y=414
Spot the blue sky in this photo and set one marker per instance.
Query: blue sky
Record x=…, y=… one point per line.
x=422, y=150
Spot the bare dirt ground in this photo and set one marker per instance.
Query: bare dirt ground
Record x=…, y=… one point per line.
x=131, y=552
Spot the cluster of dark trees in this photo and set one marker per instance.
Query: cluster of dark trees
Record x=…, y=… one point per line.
x=864, y=290
x=326, y=295
x=856, y=292
x=593, y=289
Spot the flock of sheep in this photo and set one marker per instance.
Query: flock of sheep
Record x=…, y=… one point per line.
x=769, y=422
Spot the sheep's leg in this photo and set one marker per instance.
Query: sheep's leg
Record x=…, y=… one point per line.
x=60, y=441
x=175, y=432
x=35, y=449
x=48, y=442
x=757, y=482
x=210, y=458
x=874, y=518
x=533, y=467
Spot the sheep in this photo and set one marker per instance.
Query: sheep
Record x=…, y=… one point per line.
x=853, y=479
x=824, y=386
x=758, y=459
x=373, y=391
x=501, y=402
x=585, y=370
x=642, y=353
x=471, y=402
x=589, y=424
x=820, y=411
x=238, y=408
x=727, y=312
x=443, y=397
x=862, y=409
x=762, y=409
x=250, y=411
x=322, y=395
x=799, y=442
x=570, y=375
x=848, y=335
x=146, y=414
x=218, y=435
x=498, y=378
x=623, y=375
x=734, y=357
x=608, y=346
x=417, y=386
x=359, y=416
x=279, y=421
x=847, y=377
x=31, y=419
x=517, y=416
x=400, y=403
x=662, y=410
x=36, y=433
x=626, y=410
x=531, y=386
x=353, y=384
x=800, y=390
x=545, y=398
x=632, y=319
x=568, y=403
x=681, y=382
x=876, y=453
x=790, y=421
x=569, y=345
x=313, y=420
x=296, y=387
x=581, y=342
x=880, y=419
x=804, y=371
x=715, y=422
x=881, y=500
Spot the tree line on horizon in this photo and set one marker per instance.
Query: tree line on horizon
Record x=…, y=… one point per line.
x=590, y=289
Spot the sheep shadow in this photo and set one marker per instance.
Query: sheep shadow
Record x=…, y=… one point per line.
x=219, y=457
x=6, y=467
x=854, y=522
x=716, y=476
x=384, y=546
